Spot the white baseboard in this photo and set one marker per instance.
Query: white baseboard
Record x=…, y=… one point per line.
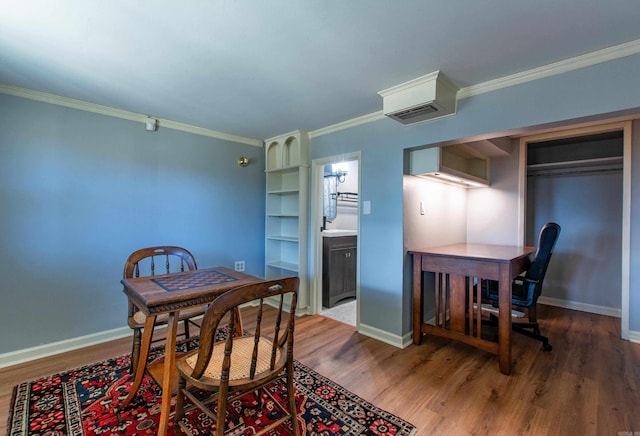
x=634, y=337
x=46, y=350
x=583, y=307
x=386, y=337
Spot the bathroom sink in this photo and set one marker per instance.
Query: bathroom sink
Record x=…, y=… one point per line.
x=332, y=233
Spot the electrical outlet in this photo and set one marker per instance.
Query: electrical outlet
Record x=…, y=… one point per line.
x=239, y=265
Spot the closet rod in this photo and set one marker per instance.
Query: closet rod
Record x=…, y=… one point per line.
x=573, y=171
x=580, y=162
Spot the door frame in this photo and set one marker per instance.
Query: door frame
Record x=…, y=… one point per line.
x=625, y=127
x=315, y=258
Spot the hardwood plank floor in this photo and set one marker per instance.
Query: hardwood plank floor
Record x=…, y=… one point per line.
x=588, y=385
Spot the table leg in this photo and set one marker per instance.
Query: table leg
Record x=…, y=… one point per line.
x=504, y=321
x=147, y=334
x=418, y=299
x=169, y=369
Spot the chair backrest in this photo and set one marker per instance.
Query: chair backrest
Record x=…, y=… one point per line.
x=537, y=270
x=546, y=243
x=275, y=352
x=168, y=259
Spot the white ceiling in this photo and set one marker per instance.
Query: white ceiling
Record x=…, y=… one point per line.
x=259, y=68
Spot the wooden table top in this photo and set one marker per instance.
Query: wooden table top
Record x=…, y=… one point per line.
x=169, y=292
x=495, y=253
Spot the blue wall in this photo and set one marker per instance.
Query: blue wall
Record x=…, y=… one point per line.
x=80, y=191
x=586, y=262
x=592, y=92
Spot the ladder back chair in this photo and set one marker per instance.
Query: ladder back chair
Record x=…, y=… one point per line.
x=240, y=364
x=153, y=261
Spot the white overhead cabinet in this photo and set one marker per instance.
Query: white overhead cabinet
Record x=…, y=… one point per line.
x=454, y=164
x=287, y=172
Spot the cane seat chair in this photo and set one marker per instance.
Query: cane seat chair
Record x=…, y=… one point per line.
x=240, y=364
x=526, y=289
x=153, y=261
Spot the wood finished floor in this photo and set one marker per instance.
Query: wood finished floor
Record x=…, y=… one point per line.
x=588, y=385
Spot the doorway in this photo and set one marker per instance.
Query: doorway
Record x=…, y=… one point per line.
x=588, y=195
x=335, y=209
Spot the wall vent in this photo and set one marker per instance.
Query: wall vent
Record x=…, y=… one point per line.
x=412, y=113
x=421, y=99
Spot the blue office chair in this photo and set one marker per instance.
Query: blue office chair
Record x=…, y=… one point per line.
x=526, y=289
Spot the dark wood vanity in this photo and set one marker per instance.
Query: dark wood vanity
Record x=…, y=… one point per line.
x=339, y=260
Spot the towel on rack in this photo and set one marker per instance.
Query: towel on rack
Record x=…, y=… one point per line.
x=329, y=200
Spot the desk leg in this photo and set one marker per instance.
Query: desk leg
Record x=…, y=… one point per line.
x=418, y=299
x=504, y=327
x=147, y=334
x=169, y=369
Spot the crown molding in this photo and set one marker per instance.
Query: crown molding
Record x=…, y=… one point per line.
x=605, y=55
x=208, y=132
x=122, y=114
x=286, y=135
x=560, y=67
x=364, y=119
x=597, y=57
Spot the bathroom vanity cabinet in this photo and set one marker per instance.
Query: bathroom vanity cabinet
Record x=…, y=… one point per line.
x=339, y=260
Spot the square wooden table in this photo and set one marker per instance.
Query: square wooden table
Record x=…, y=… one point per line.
x=169, y=293
x=459, y=269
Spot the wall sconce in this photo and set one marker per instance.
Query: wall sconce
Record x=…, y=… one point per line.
x=243, y=161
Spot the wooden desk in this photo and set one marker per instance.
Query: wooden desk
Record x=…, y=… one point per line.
x=460, y=266
x=168, y=294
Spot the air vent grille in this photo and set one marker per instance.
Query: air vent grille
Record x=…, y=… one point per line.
x=416, y=112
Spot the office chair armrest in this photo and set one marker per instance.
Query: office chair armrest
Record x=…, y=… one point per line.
x=523, y=291
x=520, y=281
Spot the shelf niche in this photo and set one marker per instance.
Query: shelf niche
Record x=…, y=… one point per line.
x=290, y=150
x=287, y=182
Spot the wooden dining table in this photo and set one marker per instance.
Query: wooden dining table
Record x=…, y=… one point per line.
x=170, y=293
x=459, y=270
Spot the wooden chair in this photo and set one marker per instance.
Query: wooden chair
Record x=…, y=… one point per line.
x=241, y=364
x=143, y=263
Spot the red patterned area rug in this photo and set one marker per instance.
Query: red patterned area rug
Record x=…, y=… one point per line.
x=87, y=401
